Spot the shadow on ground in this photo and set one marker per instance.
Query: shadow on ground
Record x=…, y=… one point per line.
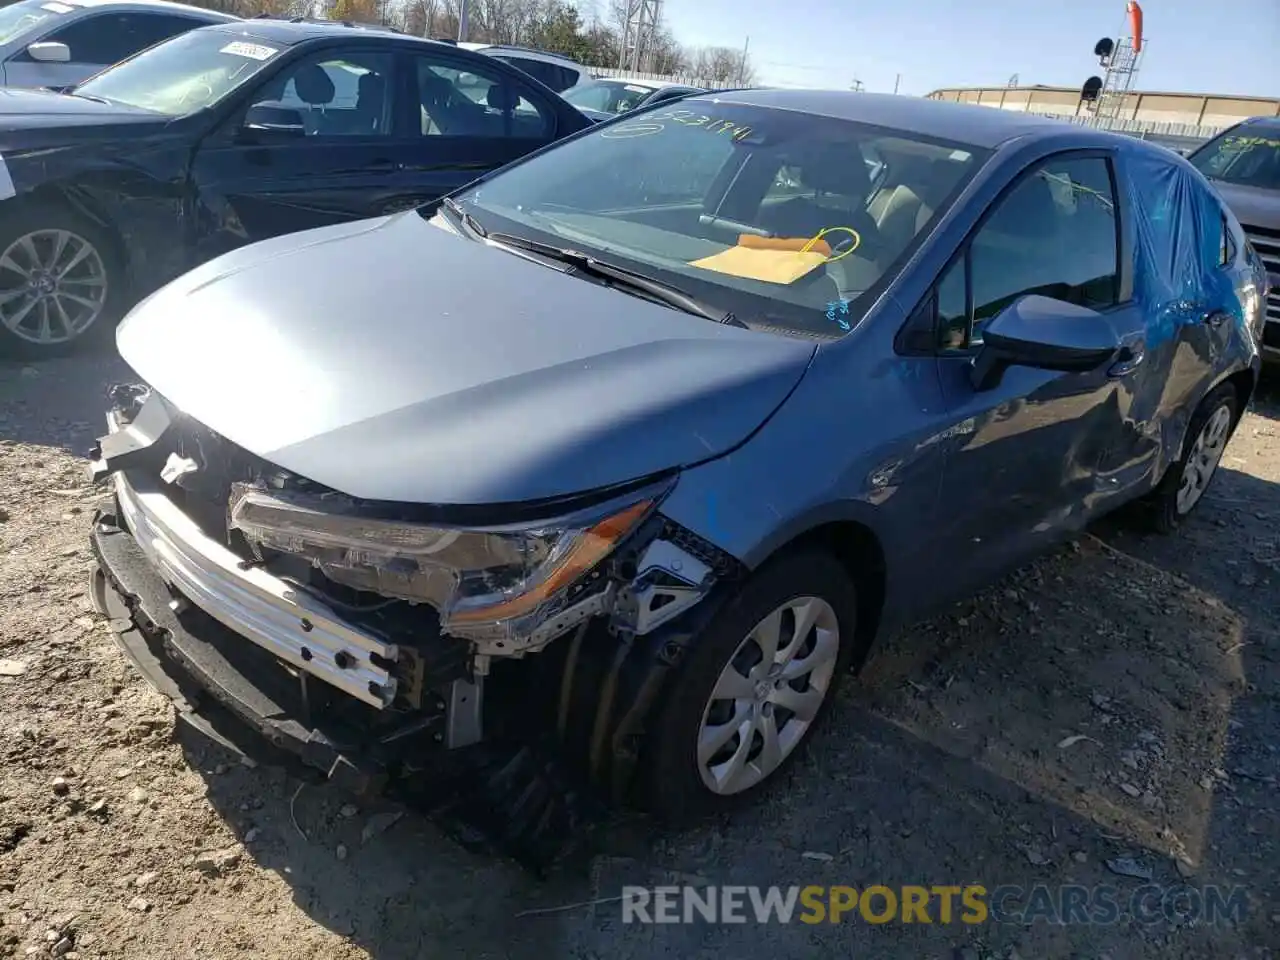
x=1086, y=710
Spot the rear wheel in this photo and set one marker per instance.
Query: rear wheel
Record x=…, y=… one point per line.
x=1186, y=481
x=61, y=284
x=753, y=689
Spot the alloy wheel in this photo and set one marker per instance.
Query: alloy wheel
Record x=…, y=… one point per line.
x=53, y=286
x=1203, y=460
x=768, y=695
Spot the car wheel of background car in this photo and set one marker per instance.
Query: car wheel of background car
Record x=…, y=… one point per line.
x=1185, y=482
x=752, y=689
x=61, y=285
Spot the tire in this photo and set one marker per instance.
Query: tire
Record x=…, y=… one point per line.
x=1185, y=482
x=65, y=313
x=673, y=785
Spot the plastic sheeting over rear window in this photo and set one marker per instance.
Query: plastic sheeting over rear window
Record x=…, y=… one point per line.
x=1177, y=229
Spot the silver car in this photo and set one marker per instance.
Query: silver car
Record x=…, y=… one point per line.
x=59, y=43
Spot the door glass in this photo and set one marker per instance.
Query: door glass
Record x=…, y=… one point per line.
x=1054, y=235
x=152, y=28
x=106, y=38
x=475, y=102
x=348, y=95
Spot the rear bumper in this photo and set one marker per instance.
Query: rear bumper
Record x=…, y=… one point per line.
x=199, y=664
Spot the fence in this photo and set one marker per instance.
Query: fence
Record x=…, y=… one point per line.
x=1182, y=137
x=684, y=79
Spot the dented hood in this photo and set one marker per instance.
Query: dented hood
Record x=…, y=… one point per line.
x=393, y=360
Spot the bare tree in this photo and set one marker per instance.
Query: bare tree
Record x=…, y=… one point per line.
x=722, y=65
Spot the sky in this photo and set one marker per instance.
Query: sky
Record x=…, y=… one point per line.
x=1191, y=46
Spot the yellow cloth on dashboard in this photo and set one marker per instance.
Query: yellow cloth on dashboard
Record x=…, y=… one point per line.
x=771, y=266
x=776, y=259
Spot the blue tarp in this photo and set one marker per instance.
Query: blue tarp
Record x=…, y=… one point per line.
x=1178, y=235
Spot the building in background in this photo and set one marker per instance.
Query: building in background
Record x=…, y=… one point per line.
x=1193, y=109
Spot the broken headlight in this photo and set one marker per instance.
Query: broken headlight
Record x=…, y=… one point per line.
x=478, y=579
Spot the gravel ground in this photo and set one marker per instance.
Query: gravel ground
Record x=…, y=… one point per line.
x=1112, y=707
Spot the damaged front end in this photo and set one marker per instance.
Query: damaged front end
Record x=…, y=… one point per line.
x=385, y=643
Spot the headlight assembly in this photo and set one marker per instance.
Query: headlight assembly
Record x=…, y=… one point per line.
x=476, y=578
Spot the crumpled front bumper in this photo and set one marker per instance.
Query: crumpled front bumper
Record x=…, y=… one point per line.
x=214, y=679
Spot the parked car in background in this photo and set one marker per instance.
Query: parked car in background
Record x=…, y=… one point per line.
x=607, y=97
x=552, y=70
x=57, y=43
x=230, y=134
x=670, y=421
x=1243, y=163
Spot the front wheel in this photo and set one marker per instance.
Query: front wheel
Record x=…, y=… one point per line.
x=1187, y=480
x=61, y=284
x=753, y=688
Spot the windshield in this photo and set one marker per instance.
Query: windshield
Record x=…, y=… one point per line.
x=784, y=219
x=182, y=75
x=607, y=97
x=17, y=18
x=1242, y=156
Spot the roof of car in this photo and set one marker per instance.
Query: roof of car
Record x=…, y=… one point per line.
x=1270, y=123
x=633, y=82
x=494, y=48
x=156, y=5
x=289, y=32
x=963, y=123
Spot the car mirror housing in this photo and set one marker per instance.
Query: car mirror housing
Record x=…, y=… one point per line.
x=1044, y=333
x=49, y=52
x=272, y=120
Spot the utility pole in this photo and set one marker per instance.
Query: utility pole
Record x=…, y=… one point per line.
x=857, y=85
x=742, y=64
x=462, y=20
x=897, y=81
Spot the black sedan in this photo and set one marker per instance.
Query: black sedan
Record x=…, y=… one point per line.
x=231, y=134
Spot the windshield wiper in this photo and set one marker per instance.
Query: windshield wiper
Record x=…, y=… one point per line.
x=621, y=278
x=467, y=219
x=85, y=96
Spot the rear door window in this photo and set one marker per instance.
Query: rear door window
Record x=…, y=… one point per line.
x=472, y=101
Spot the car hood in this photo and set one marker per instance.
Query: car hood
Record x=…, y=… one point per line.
x=392, y=359
x=43, y=112
x=1253, y=206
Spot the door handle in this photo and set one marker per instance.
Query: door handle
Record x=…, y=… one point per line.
x=1128, y=359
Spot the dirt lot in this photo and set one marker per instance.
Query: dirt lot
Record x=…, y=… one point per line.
x=1115, y=707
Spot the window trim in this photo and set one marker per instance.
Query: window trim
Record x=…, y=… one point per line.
x=918, y=336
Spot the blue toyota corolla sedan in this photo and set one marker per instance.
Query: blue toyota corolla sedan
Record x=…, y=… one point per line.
x=635, y=445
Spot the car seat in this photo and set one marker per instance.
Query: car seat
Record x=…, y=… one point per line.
x=837, y=174
x=315, y=89
x=371, y=97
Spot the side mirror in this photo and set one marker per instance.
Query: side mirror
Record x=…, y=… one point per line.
x=1044, y=333
x=49, y=52
x=274, y=121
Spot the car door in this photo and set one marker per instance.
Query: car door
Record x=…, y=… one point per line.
x=312, y=144
x=95, y=41
x=464, y=118
x=1188, y=287
x=1023, y=456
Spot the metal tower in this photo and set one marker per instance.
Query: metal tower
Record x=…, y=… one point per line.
x=1122, y=66
x=638, y=32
